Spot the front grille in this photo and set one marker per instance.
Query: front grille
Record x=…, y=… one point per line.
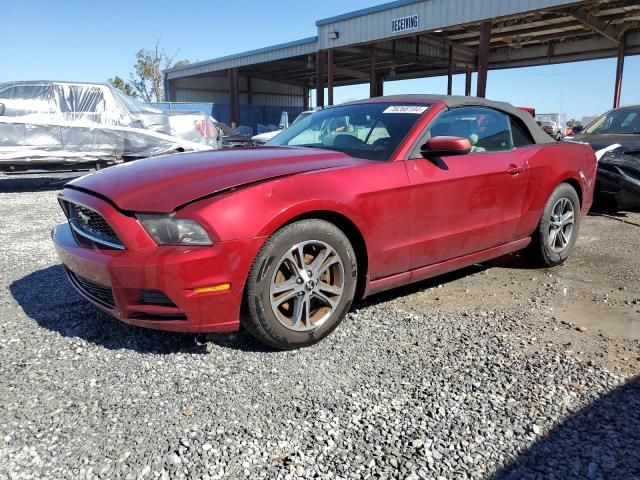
x=90, y=224
x=97, y=292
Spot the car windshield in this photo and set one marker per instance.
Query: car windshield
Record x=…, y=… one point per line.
x=371, y=130
x=620, y=121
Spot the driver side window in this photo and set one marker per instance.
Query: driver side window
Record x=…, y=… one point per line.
x=487, y=129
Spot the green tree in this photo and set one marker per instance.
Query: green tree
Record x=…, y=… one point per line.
x=122, y=85
x=147, y=81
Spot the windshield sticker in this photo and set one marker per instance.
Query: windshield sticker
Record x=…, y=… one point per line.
x=417, y=110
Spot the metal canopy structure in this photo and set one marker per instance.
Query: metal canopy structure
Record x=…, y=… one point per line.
x=414, y=39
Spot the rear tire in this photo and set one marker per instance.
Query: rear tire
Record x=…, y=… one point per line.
x=301, y=285
x=557, y=232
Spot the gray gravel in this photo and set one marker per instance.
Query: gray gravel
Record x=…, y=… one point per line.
x=391, y=394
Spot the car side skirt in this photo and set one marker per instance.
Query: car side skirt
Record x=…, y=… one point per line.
x=386, y=283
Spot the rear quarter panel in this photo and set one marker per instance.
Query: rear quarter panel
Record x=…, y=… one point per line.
x=549, y=166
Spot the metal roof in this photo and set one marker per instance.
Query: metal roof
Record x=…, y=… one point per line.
x=274, y=52
x=523, y=33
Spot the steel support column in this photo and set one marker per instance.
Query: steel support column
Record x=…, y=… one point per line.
x=467, y=82
x=619, y=70
x=305, y=98
x=320, y=78
x=450, y=72
x=330, y=77
x=483, y=58
x=234, y=98
x=372, y=74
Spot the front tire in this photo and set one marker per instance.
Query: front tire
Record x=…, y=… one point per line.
x=301, y=285
x=557, y=232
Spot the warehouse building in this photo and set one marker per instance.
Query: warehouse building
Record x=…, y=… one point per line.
x=408, y=39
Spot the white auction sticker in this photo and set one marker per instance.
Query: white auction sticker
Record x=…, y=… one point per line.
x=406, y=109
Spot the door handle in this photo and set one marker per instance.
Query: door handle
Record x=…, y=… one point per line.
x=515, y=169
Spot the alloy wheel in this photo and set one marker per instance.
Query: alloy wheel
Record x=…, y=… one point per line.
x=561, y=225
x=307, y=285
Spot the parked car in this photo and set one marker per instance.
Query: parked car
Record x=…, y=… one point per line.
x=230, y=138
x=263, y=138
x=557, y=120
x=615, y=137
x=47, y=124
x=549, y=128
x=292, y=232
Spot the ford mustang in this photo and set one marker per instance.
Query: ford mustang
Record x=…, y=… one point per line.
x=350, y=201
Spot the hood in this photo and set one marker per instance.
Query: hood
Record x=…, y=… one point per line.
x=598, y=142
x=163, y=183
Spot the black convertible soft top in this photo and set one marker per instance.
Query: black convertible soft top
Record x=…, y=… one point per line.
x=452, y=101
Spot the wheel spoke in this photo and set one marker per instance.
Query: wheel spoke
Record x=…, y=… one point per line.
x=293, y=263
x=328, y=263
x=553, y=237
x=567, y=217
x=301, y=314
x=325, y=299
x=325, y=287
x=300, y=250
x=563, y=239
x=285, y=297
x=285, y=286
x=319, y=260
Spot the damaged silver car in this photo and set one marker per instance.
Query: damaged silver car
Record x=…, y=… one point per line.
x=58, y=125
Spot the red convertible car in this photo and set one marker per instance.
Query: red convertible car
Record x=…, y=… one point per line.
x=352, y=200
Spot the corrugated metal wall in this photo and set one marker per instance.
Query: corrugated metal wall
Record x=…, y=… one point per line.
x=261, y=101
x=216, y=90
x=433, y=14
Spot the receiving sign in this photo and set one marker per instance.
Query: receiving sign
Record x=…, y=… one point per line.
x=404, y=24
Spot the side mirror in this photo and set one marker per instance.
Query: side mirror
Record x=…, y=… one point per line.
x=444, y=146
x=2, y=109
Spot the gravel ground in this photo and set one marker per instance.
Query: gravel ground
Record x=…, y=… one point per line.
x=473, y=375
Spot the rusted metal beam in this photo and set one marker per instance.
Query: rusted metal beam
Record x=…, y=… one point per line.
x=372, y=73
x=320, y=78
x=330, y=77
x=596, y=25
x=234, y=98
x=305, y=98
x=483, y=58
x=450, y=72
x=467, y=82
x=619, y=70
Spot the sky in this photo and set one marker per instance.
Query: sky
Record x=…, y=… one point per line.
x=93, y=41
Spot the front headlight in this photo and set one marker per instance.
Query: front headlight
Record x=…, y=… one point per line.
x=171, y=230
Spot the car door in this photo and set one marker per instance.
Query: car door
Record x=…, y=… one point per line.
x=462, y=204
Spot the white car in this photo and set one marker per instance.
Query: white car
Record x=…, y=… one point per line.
x=263, y=138
x=53, y=125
